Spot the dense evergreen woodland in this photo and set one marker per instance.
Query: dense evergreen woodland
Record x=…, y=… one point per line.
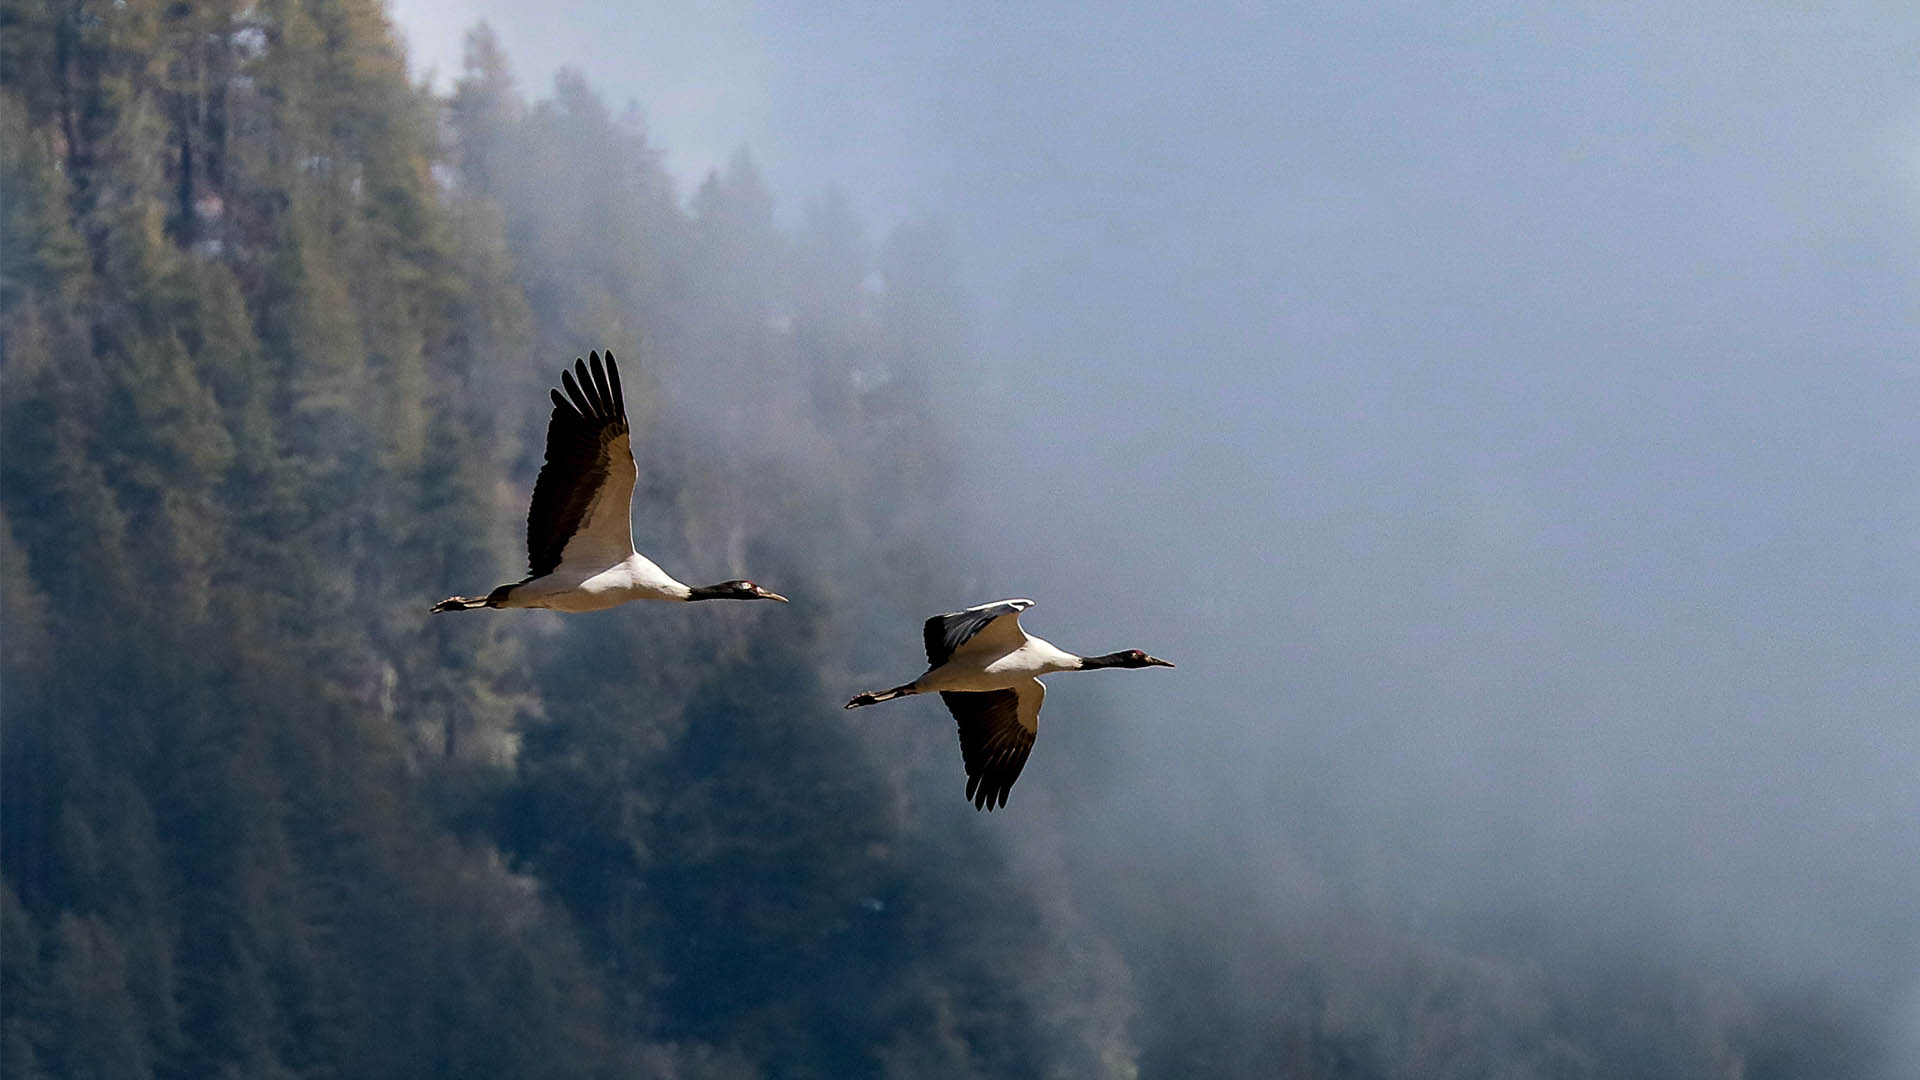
x=277, y=329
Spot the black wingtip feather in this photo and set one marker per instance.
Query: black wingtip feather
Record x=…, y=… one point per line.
x=581, y=403
x=613, y=383
x=593, y=389
x=595, y=384
x=585, y=381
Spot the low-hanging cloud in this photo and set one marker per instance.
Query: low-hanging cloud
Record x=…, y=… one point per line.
x=1509, y=427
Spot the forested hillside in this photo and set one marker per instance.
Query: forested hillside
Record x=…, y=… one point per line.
x=277, y=328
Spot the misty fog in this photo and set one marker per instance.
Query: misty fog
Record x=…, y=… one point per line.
x=1508, y=420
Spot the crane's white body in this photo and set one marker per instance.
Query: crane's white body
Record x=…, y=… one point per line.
x=995, y=667
x=574, y=587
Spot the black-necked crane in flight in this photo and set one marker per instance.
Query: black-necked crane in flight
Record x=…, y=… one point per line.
x=984, y=667
x=579, y=528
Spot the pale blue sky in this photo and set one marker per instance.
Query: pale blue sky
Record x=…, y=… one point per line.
x=1507, y=414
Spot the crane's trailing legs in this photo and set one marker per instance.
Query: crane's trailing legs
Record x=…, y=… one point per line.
x=875, y=697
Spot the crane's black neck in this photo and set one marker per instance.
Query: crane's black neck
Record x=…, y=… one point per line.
x=737, y=589
x=1114, y=659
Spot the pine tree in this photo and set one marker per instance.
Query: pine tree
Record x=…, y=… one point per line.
x=226, y=317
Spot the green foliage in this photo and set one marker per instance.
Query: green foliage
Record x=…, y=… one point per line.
x=226, y=316
x=39, y=251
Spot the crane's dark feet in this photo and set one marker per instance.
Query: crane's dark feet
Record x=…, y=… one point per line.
x=874, y=697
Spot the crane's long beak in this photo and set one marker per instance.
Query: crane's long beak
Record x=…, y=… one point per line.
x=768, y=594
x=1154, y=661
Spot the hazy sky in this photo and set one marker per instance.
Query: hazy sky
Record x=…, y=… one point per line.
x=1508, y=416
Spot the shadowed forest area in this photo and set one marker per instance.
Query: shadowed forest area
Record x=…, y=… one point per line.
x=278, y=327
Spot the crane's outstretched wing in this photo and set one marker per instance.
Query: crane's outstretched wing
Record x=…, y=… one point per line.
x=582, y=503
x=995, y=626
x=997, y=728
